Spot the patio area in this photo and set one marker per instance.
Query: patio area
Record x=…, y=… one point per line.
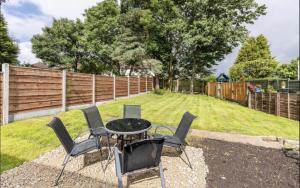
x=86, y=171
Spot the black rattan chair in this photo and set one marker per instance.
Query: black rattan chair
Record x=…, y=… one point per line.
x=73, y=149
x=132, y=111
x=95, y=123
x=177, y=140
x=139, y=156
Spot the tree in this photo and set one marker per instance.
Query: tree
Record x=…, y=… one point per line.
x=213, y=29
x=101, y=28
x=129, y=47
x=59, y=45
x=286, y=71
x=8, y=49
x=157, y=68
x=254, y=60
x=259, y=68
x=253, y=49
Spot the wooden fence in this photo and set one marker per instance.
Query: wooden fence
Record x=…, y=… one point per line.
x=233, y=91
x=29, y=92
x=280, y=104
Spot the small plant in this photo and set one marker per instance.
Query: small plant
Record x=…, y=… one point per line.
x=159, y=91
x=270, y=89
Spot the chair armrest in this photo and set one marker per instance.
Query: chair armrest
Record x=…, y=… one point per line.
x=163, y=127
x=118, y=166
x=92, y=129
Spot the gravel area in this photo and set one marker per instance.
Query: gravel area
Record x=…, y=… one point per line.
x=86, y=171
x=241, y=165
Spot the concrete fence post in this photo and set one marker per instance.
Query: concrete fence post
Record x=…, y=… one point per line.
x=94, y=89
x=152, y=83
x=278, y=104
x=139, y=84
x=288, y=106
x=146, y=84
x=255, y=102
x=249, y=100
x=5, y=94
x=114, y=87
x=128, y=86
x=64, y=91
x=262, y=101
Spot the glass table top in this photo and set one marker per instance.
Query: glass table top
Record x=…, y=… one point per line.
x=128, y=126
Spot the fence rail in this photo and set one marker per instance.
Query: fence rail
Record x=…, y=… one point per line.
x=30, y=92
x=280, y=104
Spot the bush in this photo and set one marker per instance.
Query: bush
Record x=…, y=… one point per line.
x=159, y=91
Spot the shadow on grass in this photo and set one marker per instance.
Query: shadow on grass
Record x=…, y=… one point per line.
x=7, y=162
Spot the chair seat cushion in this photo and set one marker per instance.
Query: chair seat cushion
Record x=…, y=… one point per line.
x=85, y=146
x=99, y=132
x=171, y=141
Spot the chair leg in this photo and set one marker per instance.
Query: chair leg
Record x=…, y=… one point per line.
x=66, y=160
x=190, y=165
x=162, y=177
x=108, y=142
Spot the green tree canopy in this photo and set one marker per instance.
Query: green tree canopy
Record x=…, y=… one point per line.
x=8, y=49
x=288, y=70
x=101, y=28
x=254, y=60
x=59, y=45
x=253, y=49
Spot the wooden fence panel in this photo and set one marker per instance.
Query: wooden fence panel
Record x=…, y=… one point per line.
x=79, y=89
x=121, y=86
x=294, y=106
x=134, y=85
x=104, y=88
x=142, y=84
x=149, y=83
x=34, y=89
x=283, y=105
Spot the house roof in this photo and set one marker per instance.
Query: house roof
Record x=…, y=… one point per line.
x=222, y=78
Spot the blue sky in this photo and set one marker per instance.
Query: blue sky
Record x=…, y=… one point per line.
x=27, y=17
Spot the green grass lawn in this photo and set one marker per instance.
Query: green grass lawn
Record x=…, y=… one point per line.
x=27, y=139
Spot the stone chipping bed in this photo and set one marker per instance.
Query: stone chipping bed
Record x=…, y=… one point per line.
x=87, y=171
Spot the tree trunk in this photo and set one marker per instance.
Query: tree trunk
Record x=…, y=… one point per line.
x=192, y=79
x=156, y=82
x=170, y=76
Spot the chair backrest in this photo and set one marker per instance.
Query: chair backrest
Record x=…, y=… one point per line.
x=93, y=117
x=132, y=111
x=63, y=135
x=184, y=125
x=142, y=154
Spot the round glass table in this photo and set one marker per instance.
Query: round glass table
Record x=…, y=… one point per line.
x=128, y=126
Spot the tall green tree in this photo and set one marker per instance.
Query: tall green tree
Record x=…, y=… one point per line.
x=101, y=28
x=213, y=29
x=254, y=60
x=253, y=49
x=8, y=49
x=59, y=45
x=286, y=71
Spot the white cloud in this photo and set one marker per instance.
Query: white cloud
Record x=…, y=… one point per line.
x=23, y=28
x=280, y=26
x=26, y=55
x=60, y=8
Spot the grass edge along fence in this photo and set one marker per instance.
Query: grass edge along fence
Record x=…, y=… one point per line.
x=280, y=104
x=32, y=92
